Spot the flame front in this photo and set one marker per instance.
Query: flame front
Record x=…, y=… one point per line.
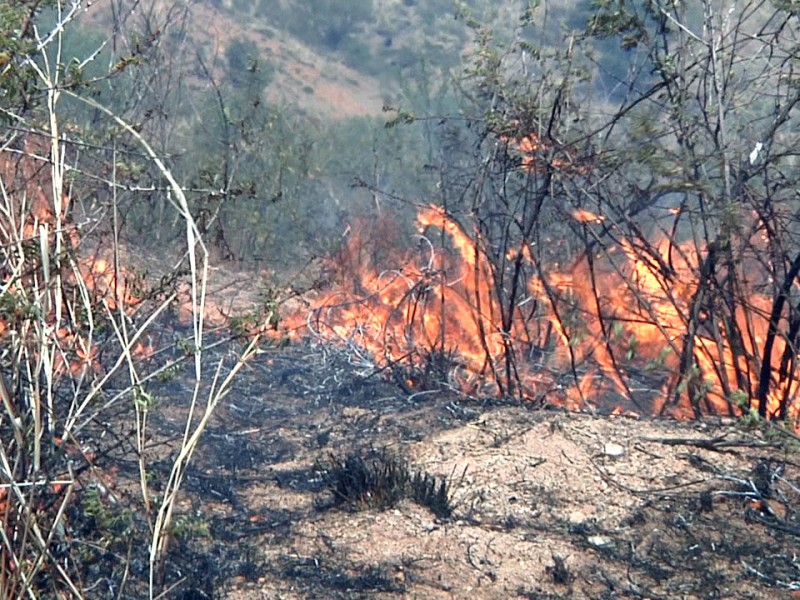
x=629, y=325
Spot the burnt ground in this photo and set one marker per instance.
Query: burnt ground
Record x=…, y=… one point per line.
x=546, y=504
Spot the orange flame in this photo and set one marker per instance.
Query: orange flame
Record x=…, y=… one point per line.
x=32, y=213
x=627, y=314
x=107, y=285
x=536, y=156
x=585, y=216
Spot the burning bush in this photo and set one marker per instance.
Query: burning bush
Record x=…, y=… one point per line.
x=643, y=245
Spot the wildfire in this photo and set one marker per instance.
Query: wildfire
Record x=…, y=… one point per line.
x=537, y=156
x=105, y=282
x=611, y=321
x=37, y=231
x=585, y=216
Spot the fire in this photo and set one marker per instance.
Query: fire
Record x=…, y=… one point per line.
x=585, y=216
x=620, y=318
x=439, y=301
x=37, y=231
x=107, y=284
x=537, y=156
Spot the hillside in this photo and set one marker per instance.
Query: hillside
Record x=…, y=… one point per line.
x=327, y=58
x=303, y=78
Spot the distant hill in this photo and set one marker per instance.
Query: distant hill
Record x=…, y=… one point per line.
x=334, y=58
x=303, y=77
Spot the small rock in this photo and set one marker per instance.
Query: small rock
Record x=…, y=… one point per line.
x=599, y=541
x=613, y=450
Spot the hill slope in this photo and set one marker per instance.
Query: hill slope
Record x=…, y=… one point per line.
x=303, y=77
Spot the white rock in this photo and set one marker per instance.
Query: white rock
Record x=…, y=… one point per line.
x=599, y=541
x=612, y=449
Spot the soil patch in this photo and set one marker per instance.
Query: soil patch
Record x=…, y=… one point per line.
x=547, y=504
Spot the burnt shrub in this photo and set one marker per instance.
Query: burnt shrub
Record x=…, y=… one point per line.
x=379, y=480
